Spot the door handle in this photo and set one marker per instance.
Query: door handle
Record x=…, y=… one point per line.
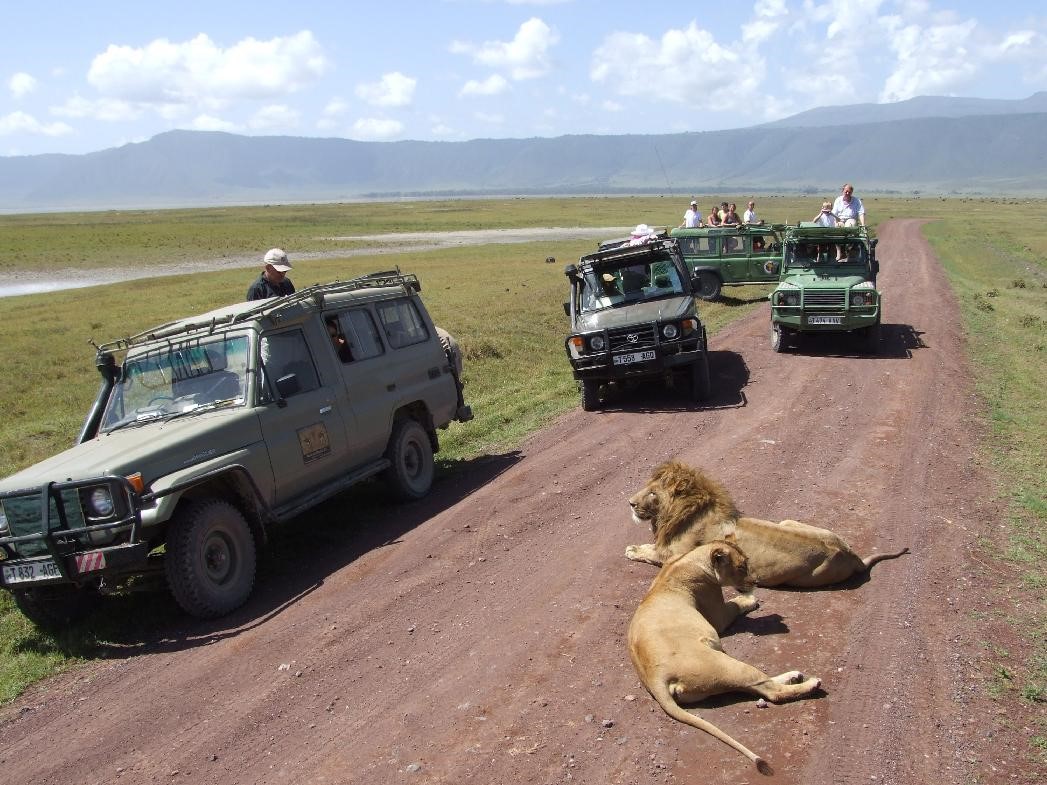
x=390, y=387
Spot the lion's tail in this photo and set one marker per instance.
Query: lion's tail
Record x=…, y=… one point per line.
x=662, y=694
x=869, y=561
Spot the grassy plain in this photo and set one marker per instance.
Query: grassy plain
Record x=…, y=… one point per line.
x=503, y=302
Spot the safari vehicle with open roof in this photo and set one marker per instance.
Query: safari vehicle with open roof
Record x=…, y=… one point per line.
x=731, y=255
x=208, y=430
x=827, y=284
x=633, y=315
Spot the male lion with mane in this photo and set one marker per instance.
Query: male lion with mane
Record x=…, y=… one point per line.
x=686, y=508
x=674, y=639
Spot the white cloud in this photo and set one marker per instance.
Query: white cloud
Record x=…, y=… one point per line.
x=336, y=107
x=108, y=110
x=21, y=84
x=195, y=71
x=393, y=89
x=22, y=123
x=204, y=122
x=376, y=129
x=676, y=67
x=930, y=60
x=612, y=106
x=274, y=117
x=525, y=57
x=769, y=17
x=491, y=118
x=495, y=84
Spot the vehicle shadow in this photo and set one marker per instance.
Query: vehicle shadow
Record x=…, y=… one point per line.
x=897, y=342
x=290, y=567
x=728, y=377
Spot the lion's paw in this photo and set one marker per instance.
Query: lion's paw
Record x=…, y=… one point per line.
x=790, y=677
x=746, y=603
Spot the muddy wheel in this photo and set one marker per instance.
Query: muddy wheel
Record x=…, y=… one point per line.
x=411, y=454
x=55, y=607
x=708, y=285
x=210, y=559
x=590, y=395
x=778, y=339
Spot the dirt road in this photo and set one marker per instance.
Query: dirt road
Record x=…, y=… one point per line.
x=485, y=642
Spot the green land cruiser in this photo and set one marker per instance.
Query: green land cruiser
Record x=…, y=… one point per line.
x=209, y=429
x=731, y=256
x=633, y=315
x=828, y=285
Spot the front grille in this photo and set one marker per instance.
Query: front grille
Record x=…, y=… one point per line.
x=631, y=338
x=825, y=298
x=24, y=518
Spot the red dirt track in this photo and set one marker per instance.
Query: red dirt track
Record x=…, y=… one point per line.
x=486, y=643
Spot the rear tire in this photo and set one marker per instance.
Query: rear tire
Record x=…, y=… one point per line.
x=708, y=285
x=53, y=608
x=590, y=395
x=210, y=558
x=411, y=453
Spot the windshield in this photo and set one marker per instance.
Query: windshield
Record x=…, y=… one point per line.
x=813, y=254
x=179, y=378
x=608, y=286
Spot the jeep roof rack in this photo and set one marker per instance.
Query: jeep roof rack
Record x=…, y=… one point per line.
x=667, y=244
x=274, y=307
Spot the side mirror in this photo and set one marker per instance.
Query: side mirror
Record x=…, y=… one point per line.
x=288, y=385
x=567, y=308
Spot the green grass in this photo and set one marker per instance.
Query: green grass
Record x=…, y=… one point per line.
x=503, y=303
x=996, y=260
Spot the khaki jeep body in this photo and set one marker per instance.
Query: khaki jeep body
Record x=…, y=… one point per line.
x=208, y=430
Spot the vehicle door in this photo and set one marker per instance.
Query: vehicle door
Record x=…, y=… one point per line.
x=416, y=359
x=700, y=251
x=735, y=253
x=362, y=360
x=765, y=255
x=302, y=425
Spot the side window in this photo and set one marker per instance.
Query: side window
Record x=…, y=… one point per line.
x=402, y=324
x=698, y=246
x=360, y=333
x=734, y=245
x=284, y=354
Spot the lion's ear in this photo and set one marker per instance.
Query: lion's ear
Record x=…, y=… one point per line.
x=729, y=537
x=719, y=557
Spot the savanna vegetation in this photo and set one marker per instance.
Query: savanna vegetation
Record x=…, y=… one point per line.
x=503, y=302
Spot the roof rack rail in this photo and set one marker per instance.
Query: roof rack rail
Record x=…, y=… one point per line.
x=272, y=307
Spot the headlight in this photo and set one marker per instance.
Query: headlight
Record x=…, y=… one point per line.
x=597, y=343
x=100, y=503
x=786, y=298
x=670, y=331
x=862, y=298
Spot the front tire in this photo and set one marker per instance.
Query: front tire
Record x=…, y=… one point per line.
x=210, y=560
x=700, y=383
x=53, y=608
x=708, y=285
x=590, y=395
x=778, y=341
x=411, y=453
x=871, y=339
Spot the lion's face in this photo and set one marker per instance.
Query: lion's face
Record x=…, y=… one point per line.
x=731, y=566
x=646, y=503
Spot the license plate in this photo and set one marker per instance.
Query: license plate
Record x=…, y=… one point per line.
x=31, y=571
x=824, y=320
x=635, y=357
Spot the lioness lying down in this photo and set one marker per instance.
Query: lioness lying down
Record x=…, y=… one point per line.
x=686, y=508
x=675, y=646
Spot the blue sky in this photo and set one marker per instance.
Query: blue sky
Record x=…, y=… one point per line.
x=81, y=77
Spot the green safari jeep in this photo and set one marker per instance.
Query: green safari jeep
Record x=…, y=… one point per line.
x=731, y=256
x=208, y=430
x=827, y=285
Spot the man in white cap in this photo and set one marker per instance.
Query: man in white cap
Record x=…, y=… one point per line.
x=692, y=219
x=273, y=282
